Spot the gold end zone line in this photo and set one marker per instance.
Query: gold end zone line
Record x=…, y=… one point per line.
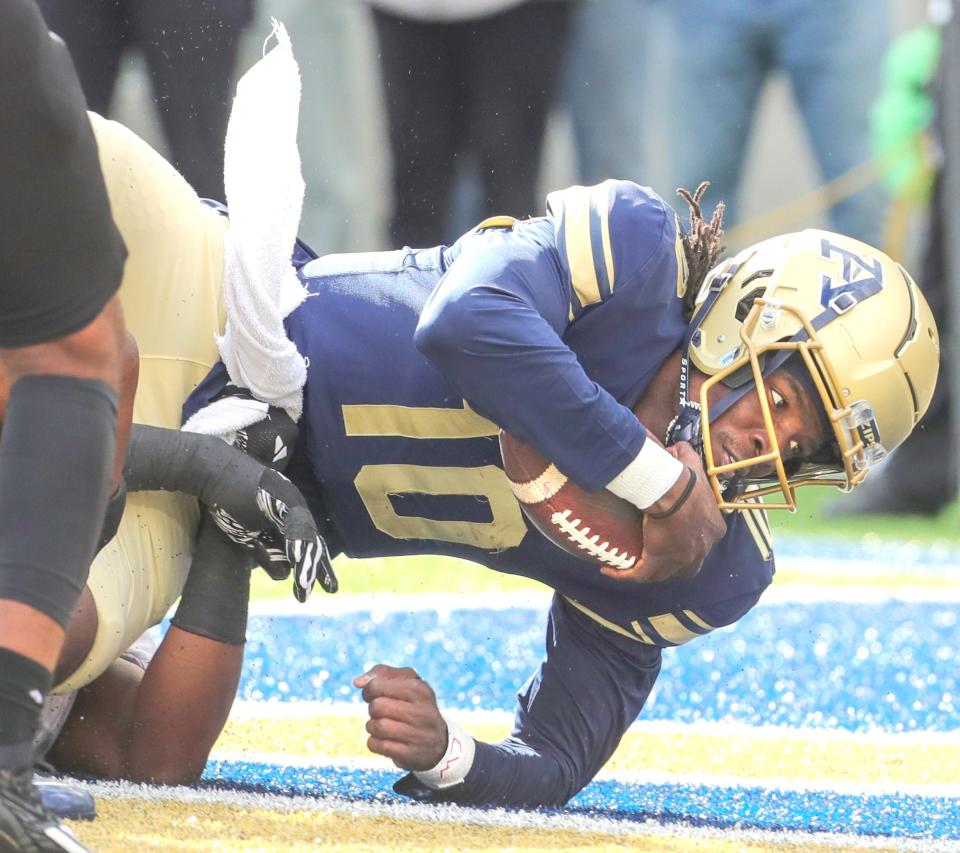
x=760, y=754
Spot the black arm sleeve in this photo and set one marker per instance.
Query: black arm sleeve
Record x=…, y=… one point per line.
x=204, y=466
x=570, y=718
x=217, y=592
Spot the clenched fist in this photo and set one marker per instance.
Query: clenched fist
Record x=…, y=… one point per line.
x=404, y=721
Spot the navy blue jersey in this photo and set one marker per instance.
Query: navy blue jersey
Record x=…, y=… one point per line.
x=551, y=329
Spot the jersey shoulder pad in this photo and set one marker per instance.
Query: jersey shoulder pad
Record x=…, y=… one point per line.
x=610, y=233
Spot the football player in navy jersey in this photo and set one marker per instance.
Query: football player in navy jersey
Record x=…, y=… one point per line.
x=614, y=343
x=617, y=345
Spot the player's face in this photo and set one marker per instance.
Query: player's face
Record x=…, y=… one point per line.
x=740, y=433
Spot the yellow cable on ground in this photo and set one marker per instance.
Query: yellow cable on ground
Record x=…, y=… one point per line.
x=819, y=200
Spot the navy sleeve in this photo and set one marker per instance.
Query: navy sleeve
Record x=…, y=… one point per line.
x=494, y=326
x=570, y=718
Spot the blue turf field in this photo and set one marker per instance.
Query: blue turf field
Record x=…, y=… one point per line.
x=890, y=666
x=846, y=667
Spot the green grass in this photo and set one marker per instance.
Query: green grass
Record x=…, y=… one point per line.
x=412, y=575
x=813, y=518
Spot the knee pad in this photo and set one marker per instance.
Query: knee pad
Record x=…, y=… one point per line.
x=56, y=452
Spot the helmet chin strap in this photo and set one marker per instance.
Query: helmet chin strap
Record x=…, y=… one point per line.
x=687, y=424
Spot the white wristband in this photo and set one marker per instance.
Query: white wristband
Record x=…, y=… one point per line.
x=452, y=769
x=648, y=477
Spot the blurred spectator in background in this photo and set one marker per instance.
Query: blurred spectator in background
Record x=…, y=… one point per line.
x=190, y=48
x=722, y=53
x=342, y=135
x=604, y=89
x=462, y=79
x=916, y=120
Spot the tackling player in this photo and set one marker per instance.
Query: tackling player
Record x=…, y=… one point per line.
x=119, y=709
x=599, y=333
x=140, y=572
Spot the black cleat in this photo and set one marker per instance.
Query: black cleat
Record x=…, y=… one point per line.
x=26, y=826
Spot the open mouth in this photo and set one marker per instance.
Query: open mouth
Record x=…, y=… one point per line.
x=728, y=457
x=755, y=472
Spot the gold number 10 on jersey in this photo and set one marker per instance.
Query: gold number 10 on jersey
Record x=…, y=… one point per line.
x=377, y=483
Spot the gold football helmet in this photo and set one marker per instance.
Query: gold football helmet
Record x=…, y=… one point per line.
x=862, y=329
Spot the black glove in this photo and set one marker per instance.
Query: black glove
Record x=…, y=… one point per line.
x=271, y=441
x=284, y=537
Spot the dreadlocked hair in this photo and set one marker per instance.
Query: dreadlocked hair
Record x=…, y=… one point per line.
x=701, y=243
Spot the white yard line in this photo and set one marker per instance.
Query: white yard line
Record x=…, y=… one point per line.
x=335, y=605
x=787, y=593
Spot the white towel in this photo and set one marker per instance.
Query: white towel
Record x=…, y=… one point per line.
x=264, y=189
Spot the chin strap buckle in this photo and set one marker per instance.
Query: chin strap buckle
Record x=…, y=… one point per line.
x=686, y=426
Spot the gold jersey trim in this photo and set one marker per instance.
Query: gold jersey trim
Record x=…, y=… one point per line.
x=759, y=527
x=415, y=422
x=667, y=625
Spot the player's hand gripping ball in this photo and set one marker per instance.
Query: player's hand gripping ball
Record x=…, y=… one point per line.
x=595, y=526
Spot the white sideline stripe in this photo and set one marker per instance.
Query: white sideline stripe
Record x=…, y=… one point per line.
x=788, y=593
x=781, y=783
x=445, y=813
x=864, y=568
x=541, y=489
x=801, y=593
x=274, y=711
x=320, y=605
